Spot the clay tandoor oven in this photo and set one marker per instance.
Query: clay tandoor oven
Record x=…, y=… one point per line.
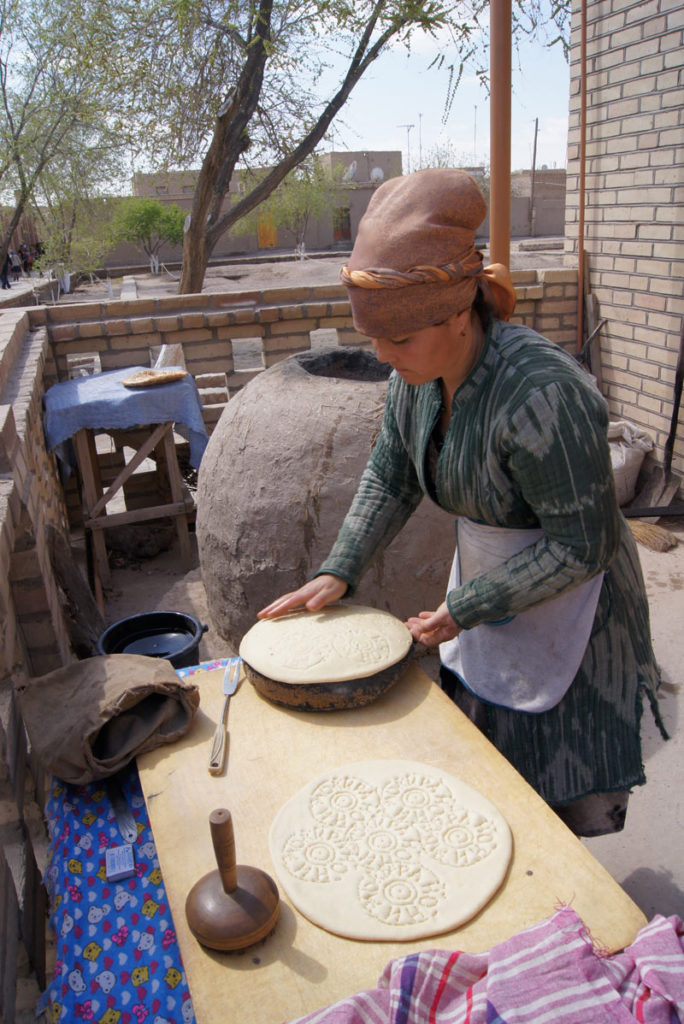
x=277, y=478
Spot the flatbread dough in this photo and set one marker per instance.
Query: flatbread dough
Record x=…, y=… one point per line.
x=339, y=643
x=389, y=851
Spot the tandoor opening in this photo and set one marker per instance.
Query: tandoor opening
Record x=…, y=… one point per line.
x=344, y=364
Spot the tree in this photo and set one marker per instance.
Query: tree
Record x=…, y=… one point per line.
x=148, y=224
x=235, y=80
x=50, y=92
x=71, y=207
x=307, y=192
x=75, y=234
x=266, y=38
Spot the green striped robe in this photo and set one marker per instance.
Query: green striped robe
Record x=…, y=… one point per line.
x=526, y=447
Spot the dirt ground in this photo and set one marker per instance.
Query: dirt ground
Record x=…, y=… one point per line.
x=284, y=271
x=278, y=270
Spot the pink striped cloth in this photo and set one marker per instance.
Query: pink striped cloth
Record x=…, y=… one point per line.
x=548, y=974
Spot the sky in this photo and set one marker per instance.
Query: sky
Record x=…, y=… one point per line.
x=400, y=91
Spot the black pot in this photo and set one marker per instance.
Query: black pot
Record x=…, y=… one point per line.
x=171, y=635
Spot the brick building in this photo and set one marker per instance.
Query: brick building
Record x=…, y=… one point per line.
x=537, y=205
x=632, y=204
x=364, y=171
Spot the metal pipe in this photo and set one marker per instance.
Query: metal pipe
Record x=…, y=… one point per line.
x=581, y=182
x=500, y=132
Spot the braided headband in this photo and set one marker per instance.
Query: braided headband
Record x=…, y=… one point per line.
x=382, y=277
x=496, y=275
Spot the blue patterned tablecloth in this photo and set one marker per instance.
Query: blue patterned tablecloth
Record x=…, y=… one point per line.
x=117, y=957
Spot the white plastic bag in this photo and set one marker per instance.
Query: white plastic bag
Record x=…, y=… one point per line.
x=170, y=355
x=628, y=447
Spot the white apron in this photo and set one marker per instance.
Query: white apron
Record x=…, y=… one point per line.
x=528, y=661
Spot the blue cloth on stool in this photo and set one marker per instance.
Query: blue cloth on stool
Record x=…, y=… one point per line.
x=102, y=402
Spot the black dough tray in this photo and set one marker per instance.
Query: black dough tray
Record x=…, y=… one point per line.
x=349, y=693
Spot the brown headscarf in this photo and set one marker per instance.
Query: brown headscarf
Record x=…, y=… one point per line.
x=414, y=262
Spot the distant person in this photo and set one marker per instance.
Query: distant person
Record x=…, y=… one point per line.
x=26, y=258
x=15, y=261
x=4, y=273
x=38, y=253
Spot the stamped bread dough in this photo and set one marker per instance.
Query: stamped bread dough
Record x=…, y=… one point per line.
x=338, y=643
x=389, y=851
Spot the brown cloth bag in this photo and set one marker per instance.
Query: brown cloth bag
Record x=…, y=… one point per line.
x=87, y=720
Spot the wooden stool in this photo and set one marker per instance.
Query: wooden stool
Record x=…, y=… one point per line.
x=95, y=499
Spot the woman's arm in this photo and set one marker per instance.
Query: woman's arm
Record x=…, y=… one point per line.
x=556, y=451
x=388, y=493
x=315, y=594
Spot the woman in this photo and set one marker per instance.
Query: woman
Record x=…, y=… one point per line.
x=502, y=429
x=4, y=272
x=15, y=261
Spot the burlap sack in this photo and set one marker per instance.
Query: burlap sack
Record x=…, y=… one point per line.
x=88, y=720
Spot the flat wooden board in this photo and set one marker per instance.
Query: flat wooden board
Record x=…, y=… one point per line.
x=272, y=753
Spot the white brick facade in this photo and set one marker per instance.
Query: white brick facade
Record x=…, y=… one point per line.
x=633, y=210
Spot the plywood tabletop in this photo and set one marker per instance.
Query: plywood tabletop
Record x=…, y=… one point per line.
x=272, y=753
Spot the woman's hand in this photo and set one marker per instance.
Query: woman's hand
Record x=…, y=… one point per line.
x=432, y=628
x=313, y=595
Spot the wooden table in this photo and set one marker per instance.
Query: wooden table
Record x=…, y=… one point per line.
x=273, y=752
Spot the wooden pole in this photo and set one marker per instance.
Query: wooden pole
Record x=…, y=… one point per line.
x=532, y=177
x=500, y=132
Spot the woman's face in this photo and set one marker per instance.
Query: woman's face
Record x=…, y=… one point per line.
x=430, y=353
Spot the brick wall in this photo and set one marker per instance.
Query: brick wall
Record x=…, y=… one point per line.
x=34, y=640
x=634, y=226
x=212, y=328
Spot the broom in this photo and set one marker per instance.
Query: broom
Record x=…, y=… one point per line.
x=657, y=538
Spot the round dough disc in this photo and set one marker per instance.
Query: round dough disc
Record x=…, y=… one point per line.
x=389, y=851
x=338, y=643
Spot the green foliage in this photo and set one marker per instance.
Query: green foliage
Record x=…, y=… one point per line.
x=148, y=224
x=70, y=202
x=76, y=235
x=307, y=193
x=54, y=101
